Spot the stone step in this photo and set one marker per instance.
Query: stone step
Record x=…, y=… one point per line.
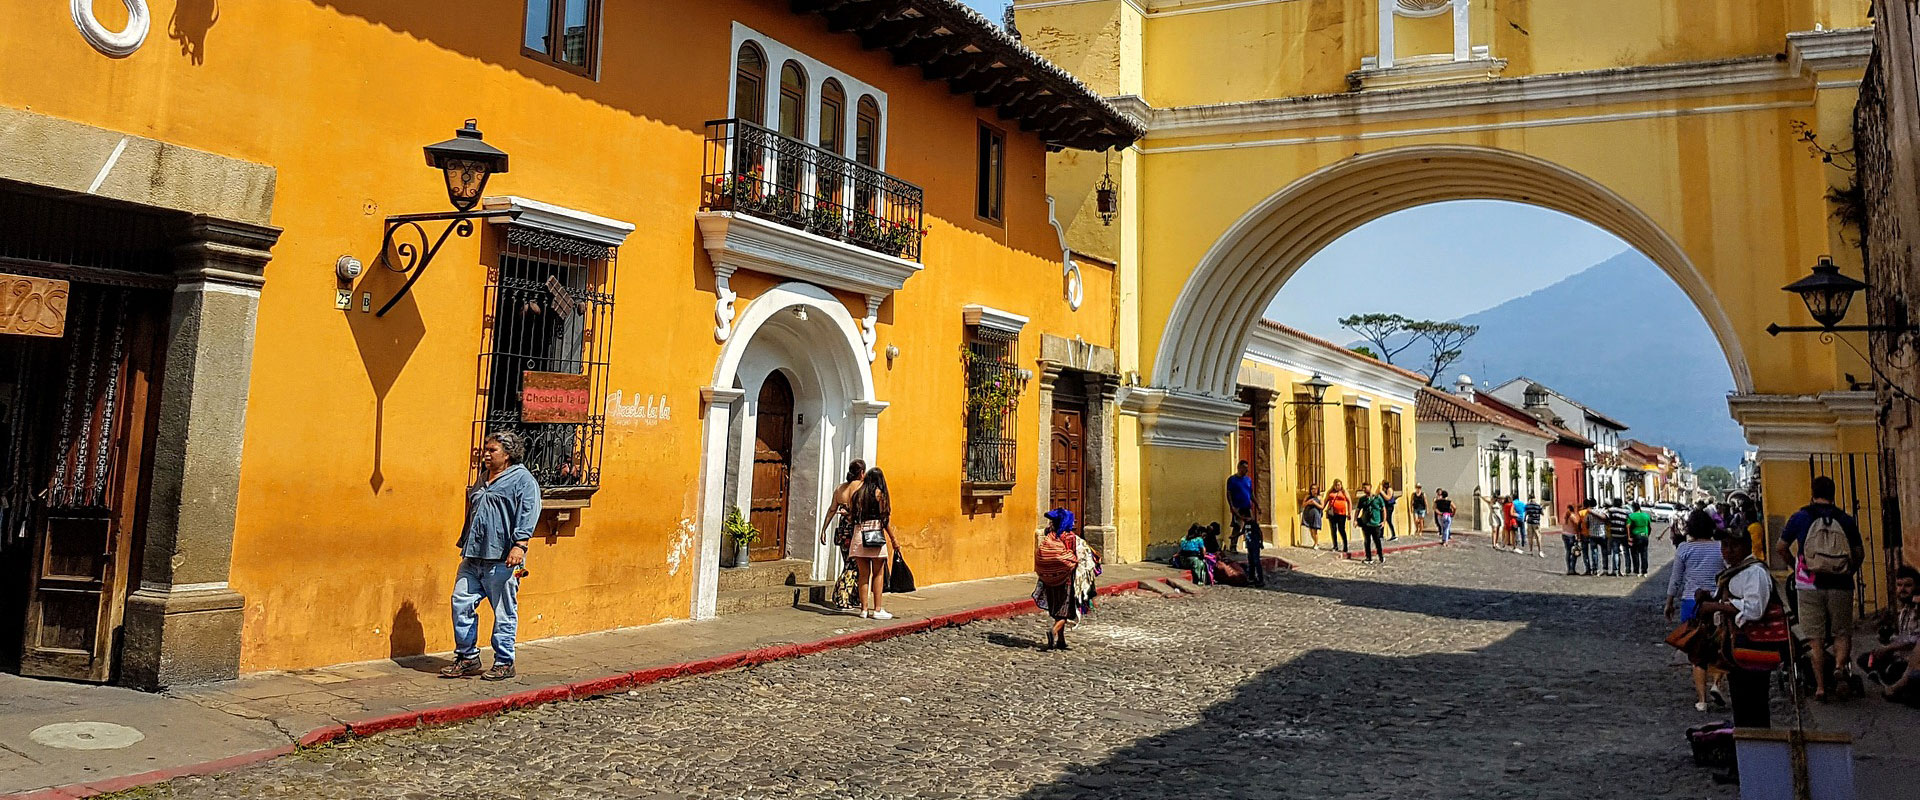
x=1185, y=585
x=756, y=598
x=1160, y=588
x=762, y=574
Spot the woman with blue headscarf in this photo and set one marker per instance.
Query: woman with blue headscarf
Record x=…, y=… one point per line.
x=1065, y=566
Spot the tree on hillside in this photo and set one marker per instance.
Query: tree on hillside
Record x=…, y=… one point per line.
x=1445, y=342
x=1715, y=479
x=1365, y=351
x=1380, y=332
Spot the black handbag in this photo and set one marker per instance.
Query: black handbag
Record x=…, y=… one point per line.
x=873, y=533
x=899, y=578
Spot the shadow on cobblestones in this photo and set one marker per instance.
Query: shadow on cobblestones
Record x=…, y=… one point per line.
x=1576, y=702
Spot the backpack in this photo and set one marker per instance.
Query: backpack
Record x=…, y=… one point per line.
x=1825, y=547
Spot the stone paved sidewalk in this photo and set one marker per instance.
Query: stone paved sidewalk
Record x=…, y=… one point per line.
x=114, y=737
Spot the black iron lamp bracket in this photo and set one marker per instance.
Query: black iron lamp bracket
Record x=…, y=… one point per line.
x=407, y=247
x=1776, y=329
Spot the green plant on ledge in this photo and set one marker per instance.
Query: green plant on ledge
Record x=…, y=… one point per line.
x=738, y=530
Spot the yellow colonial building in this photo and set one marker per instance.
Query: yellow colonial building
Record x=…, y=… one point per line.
x=1318, y=412
x=704, y=253
x=1276, y=126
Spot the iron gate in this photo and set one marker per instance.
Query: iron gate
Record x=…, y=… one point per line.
x=1862, y=488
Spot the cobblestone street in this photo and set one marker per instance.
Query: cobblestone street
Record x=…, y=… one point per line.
x=1456, y=673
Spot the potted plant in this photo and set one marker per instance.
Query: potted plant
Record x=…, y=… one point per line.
x=827, y=220
x=740, y=535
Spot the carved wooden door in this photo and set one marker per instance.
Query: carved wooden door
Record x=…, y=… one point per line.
x=772, y=468
x=1069, y=479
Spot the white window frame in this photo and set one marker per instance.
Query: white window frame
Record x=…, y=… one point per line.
x=817, y=73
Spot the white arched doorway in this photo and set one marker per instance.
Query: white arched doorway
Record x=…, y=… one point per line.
x=805, y=336
x=1207, y=329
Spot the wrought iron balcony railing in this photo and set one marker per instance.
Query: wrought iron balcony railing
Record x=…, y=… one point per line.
x=752, y=170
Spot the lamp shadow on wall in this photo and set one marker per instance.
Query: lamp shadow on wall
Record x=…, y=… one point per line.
x=192, y=19
x=407, y=639
x=386, y=344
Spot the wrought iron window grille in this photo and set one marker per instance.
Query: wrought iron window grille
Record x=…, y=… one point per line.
x=750, y=169
x=994, y=385
x=549, y=310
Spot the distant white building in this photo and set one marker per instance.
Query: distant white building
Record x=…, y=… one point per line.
x=1605, y=477
x=1477, y=453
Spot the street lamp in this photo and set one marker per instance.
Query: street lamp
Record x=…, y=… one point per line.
x=1106, y=195
x=1502, y=443
x=467, y=163
x=1828, y=295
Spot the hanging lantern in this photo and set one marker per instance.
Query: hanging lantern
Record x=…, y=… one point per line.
x=1107, y=195
x=468, y=162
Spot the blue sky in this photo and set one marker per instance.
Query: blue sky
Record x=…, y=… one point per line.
x=992, y=8
x=1439, y=261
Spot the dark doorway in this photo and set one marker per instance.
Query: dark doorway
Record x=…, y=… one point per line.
x=772, y=467
x=73, y=436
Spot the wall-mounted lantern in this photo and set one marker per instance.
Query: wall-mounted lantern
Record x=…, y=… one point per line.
x=467, y=162
x=1107, y=195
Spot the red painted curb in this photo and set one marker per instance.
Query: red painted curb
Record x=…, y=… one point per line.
x=580, y=690
x=322, y=735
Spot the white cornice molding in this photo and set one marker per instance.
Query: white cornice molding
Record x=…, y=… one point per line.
x=559, y=219
x=1796, y=426
x=1274, y=348
x=739, y=241
x=1529, y=92
x=992, y=318
x=1181, y=420
x=1815, y=52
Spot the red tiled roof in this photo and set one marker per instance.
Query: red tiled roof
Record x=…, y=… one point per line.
x=1566, y=436
x=1315, y=340
x=1437, y=406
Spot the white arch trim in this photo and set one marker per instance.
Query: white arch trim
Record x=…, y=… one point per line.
x=837, y=350
x=1210, y=323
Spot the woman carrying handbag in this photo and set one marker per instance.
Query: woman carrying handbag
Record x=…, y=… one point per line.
x=872, y=542
x=1753, y=627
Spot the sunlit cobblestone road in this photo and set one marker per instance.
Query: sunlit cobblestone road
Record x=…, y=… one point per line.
x=1463, y=673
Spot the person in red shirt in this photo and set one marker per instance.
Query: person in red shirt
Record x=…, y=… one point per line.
x=1338, y=507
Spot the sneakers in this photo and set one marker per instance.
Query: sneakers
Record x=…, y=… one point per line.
x=499, y=672
x=1699, y=706
x=882, y=614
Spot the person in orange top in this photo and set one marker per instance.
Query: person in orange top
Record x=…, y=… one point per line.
x=1338, y=507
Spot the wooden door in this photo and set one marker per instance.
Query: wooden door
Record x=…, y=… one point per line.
x=89, y=462
x=772, y=467
x=1248, y=452
x=1069, y=479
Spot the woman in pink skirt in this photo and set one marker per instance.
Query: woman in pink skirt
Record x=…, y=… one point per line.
x=872, y=540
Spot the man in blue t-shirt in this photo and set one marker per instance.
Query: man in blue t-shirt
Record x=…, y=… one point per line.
x=1826, y=563
x=1240, y=501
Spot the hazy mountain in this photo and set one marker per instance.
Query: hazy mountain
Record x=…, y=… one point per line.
x=1621, y=338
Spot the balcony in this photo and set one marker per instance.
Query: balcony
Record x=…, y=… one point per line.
x=751, y=170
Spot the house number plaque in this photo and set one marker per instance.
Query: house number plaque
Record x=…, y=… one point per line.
x=33, y=306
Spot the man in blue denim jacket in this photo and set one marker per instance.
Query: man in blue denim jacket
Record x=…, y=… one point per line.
x=501, y=513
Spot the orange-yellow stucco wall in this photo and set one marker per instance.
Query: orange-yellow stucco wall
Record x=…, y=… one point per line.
x=359, y=429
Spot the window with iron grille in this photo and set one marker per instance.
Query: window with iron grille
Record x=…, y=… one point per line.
x=993, y=400
x=543, y=362
x=1310, y=443
x=1359, y=447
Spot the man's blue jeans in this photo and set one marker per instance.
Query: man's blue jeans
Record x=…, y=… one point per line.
x=1520, y=541
x=1573, y=551
x=1596, y=553
x=1617, y=554
x=494, y=581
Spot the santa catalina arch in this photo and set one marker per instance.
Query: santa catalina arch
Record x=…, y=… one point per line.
x=1276, y=126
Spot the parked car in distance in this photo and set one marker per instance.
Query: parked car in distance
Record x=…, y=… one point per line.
x=1666, y=512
